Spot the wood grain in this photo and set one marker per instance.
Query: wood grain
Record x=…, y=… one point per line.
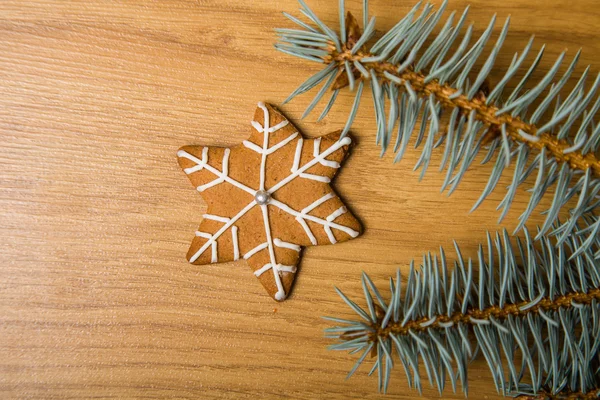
x=96, y=298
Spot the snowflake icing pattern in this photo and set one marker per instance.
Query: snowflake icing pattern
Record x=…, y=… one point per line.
x=249, y=190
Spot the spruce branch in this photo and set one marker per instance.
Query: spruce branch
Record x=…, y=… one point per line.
x=416, y=74
x=492, y=312
x=517, y=129
x=529, y=300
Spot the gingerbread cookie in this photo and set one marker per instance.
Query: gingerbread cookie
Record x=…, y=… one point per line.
x=267, y=198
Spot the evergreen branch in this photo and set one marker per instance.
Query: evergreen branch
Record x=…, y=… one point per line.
x=413, y=70
x=475, y=316
x=545, y=308
x=488, y=114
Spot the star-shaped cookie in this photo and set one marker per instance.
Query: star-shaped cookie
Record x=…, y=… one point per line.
x=267, y=198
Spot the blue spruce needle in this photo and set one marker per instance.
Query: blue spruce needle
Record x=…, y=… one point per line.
x=425, y=69
x=531, y=311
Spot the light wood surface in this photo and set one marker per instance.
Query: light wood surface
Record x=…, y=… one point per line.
x=96, y=297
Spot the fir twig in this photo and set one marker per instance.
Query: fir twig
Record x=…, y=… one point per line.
x=413, y=70
x=528, y=299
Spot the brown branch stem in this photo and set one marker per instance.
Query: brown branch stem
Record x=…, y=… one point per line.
x=496, y=312
x=485, y=113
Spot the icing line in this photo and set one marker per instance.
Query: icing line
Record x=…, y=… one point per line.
x=262, y=270
x=220, y=174
x=286, y=245
x=280, y=295
x=336, y=146
x=340, y=211
x=279, y=145
x=223, y=229
x=316, y=147
x=252, y=146
x=263, y=161
x=329, y=233
x=297, y=155
x=278, y=269
x=255, y=250
x=317, y=203
x=278, y=126
x=324, y=179
x=286, y=268
x=210, y=184
x=271, y=149
x=301, y=217
x=234, y=239
x=214, y=257
x=306, y=228
x=215, y=218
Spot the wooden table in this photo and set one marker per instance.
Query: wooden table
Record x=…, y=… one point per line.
x=96, y=297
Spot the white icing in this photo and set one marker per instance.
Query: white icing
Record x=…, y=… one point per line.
x=225, y=166
x=280, y=295
x=279, y=145
x=278, y=126
x=313, y=177
x=278, y=268
x=316, y=153
x=340, y=211
x=286, y=245
x=224, y=228
x=330, y=164
x=215, y=218
x=195, y=168
x=210, y=184
x=297, y=155
x=257, y=126
x=222, y=175
x=317, y=147
x=306, y=228
x=317, y=203
x=334, y=147
x=252, y=146
x=262, y=270
x=266, y=129
x=214, y=257
x=234, y=240
x=301, y=216
x=255, y=250
x=263, y=161
x=286, y=268
x=200, y=164
x=330, y=235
